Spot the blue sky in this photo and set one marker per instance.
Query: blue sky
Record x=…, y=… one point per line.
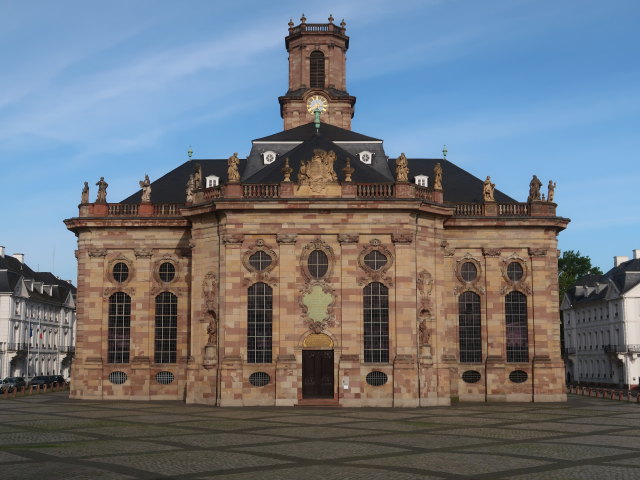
x=121, y=89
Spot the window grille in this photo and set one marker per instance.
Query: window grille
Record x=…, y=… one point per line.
x=376, y=322
x=166, y=328
x=514, y=271
x=119, y=327
x=469, y=327
x=375, y=260
x=259, y=312
x=516, y=322
x=259, y=379
x=318, y=264
x=518, y=376
x=471, y=376
x=164, y=378
x=376, y=379
x=468, y=272
x=260, y=260
x=120, y=272
x=316, y=69
x=118, y=378
x=167, y=272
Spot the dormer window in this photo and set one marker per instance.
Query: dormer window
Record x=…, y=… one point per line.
x=212, y=181
x=422, y=180
x=269, y=157
x=366, y=157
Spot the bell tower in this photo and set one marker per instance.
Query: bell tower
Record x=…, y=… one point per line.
x=317, y=75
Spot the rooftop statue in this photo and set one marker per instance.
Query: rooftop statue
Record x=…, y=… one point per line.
x=551, y=190
x=189, y=191
x=102, y=191
x=488, y=189
x=437, y=177
x=402, y=169
x=534, y=189
x=145, y=185
x=85, y=193
x=233, y=174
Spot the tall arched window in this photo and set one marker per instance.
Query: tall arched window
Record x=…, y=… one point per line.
x=515, y=305
x=376, y=322
x=316, y=69
x=469, y=327
x=259, y=313
x=166, y=328
x=119, y=335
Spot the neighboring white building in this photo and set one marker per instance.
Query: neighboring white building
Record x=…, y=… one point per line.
x=601, y=319
x=37, y=320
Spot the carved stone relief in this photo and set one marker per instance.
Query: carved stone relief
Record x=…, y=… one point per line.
x=263, y=275
x=424, y=284
x=475, y=284
x=317, y=300
x=231, y=239
x=209, y=293
x=371, y=275
x=491, y=252
x=348, y=237
x=316, y=244
x=287, y=239
x=402, y=237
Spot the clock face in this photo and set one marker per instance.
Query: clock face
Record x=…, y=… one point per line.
x=317, y=102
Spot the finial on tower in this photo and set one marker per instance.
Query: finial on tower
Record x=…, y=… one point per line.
x=444, y=152
x=290, y=23
x=343, y=24
x=190, y=152
x=303, y=19
x=316, y=118
x=330, y=18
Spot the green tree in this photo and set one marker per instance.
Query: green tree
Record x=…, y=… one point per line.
x=572, y=266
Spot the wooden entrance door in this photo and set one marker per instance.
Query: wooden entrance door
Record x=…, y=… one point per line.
x=317, y=374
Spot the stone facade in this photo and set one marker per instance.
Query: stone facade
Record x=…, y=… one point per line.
x=377, y=320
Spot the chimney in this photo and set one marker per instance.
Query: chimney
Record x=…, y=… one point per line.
x=1, y=252
x=618, y=260
x=636, y=253
x=19, y=257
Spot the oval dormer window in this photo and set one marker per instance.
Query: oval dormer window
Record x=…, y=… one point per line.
x=269, y=157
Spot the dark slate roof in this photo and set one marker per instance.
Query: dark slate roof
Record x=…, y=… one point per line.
x=617, y=281
x=300, y=92
x=171, y=187
x=11, y=270
x=272, y=173
x=330, y=132
x=458, y=185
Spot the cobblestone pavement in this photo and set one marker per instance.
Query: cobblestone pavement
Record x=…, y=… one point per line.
x=49, y=437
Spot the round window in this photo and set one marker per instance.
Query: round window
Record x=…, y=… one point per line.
x=515, y=272
x=518, y=376
x=259, y=379
x=164, y=378
x=167, y=272
x=376, y=379
x=468, y=271
x=120, y=272
x=318, y=264
x=471, y=376
x=260, y=260
x=375, y=260
x=117, y=378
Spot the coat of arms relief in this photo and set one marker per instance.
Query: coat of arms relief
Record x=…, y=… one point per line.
x=317, y=176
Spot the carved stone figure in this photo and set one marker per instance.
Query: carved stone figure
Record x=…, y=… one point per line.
x=233, y=174
x=551, y=190
x=197, y=177
x=488, y=189
x=145, y=185
x=209, y=286
x=287, y=170
x=424, y=333
x=102, y=191
x=534, y=189
x=190, y=186
x=85, y=193
x=437, y=177
x=212, y=331
x=402, y=169
x=318, y=172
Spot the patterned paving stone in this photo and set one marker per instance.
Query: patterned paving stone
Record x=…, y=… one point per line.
x=502, y=433
x=426, y=440
x=458, y=463
x=180, y=463
x=157, y=419
x=584, y=472
x=28, y=438
x=222, y=424
x=205, y=440
x=561, y=427
x=134, y=430
x=56, y=424
x=10, y=457
x=613, y=421
x=382, y=415
x=102, y=447
x=57, y=471
x=608, y=440
x=325, y=472
x=324, y=450
x=319, y=432
x=550, y=450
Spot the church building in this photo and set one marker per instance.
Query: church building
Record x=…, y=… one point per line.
x=319, y=270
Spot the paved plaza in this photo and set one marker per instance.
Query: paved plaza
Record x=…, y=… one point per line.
x=49, y=437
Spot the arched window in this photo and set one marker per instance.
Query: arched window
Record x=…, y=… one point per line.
x=119, y=336
x=316, y=69
x=469, y=327
x=259, y=322
x=376, y=322
x=515, y=306
x=166, y=328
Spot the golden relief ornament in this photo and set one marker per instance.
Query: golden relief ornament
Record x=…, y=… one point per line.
x=318, y=172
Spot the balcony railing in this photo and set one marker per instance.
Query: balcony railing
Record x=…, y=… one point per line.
x=17, y=347
x=167, y=209
x=513, y=209
x=122, y=209
x=261, y=191
x=570, y=350
x=424, y=193
x=374, y=190
x=615, y=348
x=468, y=209
x=66, y=349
